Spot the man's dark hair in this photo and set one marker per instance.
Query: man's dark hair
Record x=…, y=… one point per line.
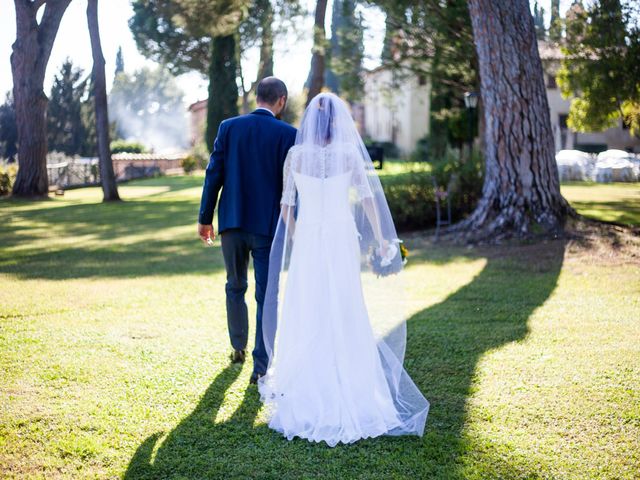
x=270, y=90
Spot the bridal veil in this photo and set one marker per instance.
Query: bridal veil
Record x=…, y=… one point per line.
x=328, y=145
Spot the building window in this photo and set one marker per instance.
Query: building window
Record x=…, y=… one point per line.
x=422, y=80
x=562, y=120
x=591, y=147
x=551, y=82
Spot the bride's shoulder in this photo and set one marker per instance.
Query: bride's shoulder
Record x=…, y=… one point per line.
x=294, y=150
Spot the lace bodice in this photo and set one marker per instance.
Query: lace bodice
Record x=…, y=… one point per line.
x=323, y=163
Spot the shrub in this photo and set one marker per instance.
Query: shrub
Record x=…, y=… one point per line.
x=7, y=178
x=421, y=153
x=411, y=200
x=411, y=195
x=123, y=146
x=464, y=174
x=189, y=163
x=200, y=153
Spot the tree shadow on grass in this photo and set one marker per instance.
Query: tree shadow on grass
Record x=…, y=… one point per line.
x=625, y=212
x=105, y=240
x=198, y=447
x=445, y=343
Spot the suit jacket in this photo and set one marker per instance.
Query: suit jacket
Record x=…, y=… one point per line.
x=246, y=163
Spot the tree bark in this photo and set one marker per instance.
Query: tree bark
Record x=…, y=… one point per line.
x=265, y=68
x=319, y=47
x=265, y=63
x=31, y=52
x=107, y=177
x=223, y=89
x=521, y=192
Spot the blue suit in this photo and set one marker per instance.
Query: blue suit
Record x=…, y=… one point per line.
x=246, y=164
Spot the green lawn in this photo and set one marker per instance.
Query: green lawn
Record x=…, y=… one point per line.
x=612, y=202
x=113, y=353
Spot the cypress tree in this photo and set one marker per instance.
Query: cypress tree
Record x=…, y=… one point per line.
x=8, y=129
x=555, y=28
x=538, y=21
x=65, y=129
x=119, y=62
x=223, y=89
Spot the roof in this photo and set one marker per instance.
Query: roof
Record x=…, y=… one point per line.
x=549, y=50
x=147, y=156
x=199, y=105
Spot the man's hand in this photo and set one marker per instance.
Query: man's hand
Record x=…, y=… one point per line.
x=207, y=233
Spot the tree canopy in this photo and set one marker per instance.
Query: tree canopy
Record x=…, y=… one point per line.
x=178, y=33
x=600, y=68
x=346, y=53
x=434, y=39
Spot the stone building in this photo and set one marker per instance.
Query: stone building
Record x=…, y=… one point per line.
x=197, y=121
x=396, y=107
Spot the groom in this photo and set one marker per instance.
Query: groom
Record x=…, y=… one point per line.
x=246, y=163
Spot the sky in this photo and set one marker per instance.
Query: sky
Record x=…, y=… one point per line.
x=291, y=62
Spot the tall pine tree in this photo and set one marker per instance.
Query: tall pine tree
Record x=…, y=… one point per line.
x=521, y=192
x=538, y=21
x=119, y=62
x=347, y=50
x=107, y=175
x=318, y=52
x=555, y=27
x=65, y=128
x=8, y=129
x=35, y=35
x=223, y=89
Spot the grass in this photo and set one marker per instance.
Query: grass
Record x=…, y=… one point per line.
x=397, y=167
x=113, y=353
x=612, y=202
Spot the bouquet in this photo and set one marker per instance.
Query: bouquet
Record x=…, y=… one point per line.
x=391, y=262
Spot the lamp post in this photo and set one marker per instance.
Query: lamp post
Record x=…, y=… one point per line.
x=471, y=102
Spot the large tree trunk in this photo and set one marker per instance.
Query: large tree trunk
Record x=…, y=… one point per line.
x=319, y=52
x=223, y=89
x=29, y=59
x=265, y=68
x=265, y=63
x=521, y=190
x=107, y=177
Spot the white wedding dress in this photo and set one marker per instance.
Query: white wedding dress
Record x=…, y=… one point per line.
x=329, y=378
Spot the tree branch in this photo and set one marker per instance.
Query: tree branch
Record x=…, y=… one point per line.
x=36, y=4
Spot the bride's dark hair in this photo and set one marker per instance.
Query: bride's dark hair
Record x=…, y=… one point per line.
x=325, y=119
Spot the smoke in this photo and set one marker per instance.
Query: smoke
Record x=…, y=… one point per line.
x=148, y=108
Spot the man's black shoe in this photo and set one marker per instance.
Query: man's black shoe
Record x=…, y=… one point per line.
x=238, y=356
x=255, y=376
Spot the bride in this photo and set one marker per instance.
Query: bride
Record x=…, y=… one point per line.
x=336, y=369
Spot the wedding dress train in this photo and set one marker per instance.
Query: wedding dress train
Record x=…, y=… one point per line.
x=329, y=378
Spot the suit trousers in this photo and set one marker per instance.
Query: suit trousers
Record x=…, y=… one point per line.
x=237, y=245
